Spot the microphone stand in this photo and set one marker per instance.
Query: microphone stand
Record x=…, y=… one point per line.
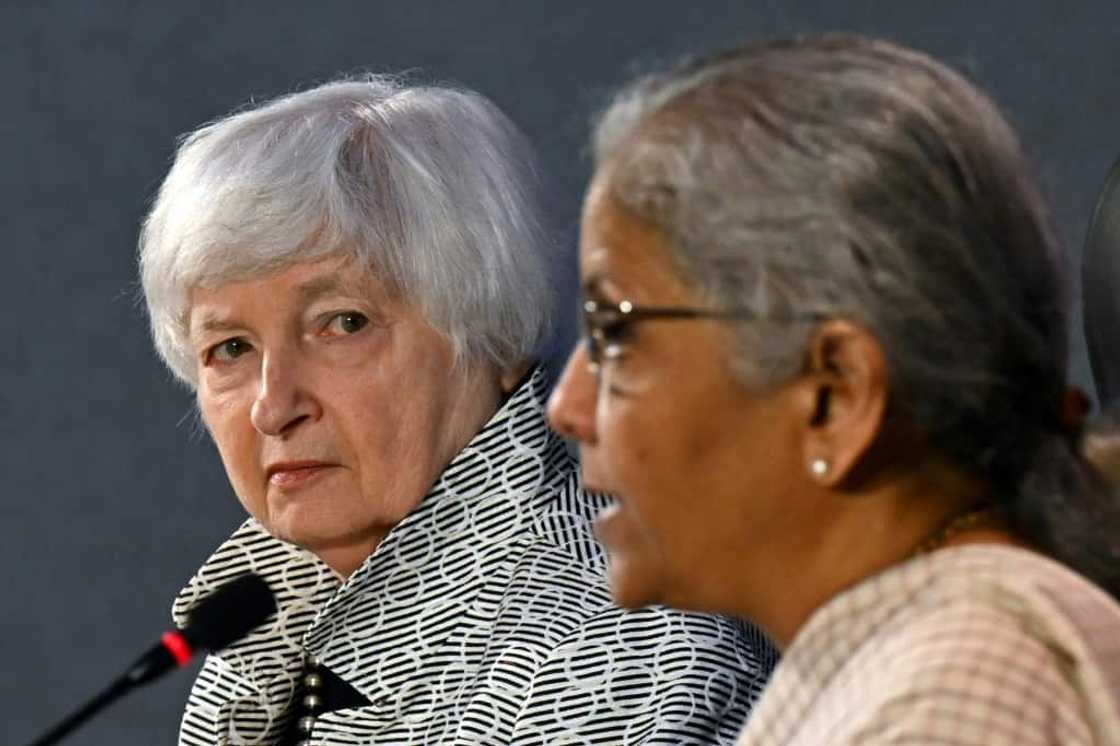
x=226, y=615
x=147, y=667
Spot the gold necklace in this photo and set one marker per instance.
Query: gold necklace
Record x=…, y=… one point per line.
x=952, y=527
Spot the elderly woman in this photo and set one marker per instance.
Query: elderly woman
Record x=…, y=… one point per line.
x=353, y=280
x=824, y=376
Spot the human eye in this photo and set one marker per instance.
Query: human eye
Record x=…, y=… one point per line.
x=227, y=350
x=346, y=322
x=615, y=328
x=615, y=334
x=611, y=330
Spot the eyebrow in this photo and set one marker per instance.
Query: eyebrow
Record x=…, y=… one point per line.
x=317, y=287
x=212, y=322
x=600, y=285
x=309, y=291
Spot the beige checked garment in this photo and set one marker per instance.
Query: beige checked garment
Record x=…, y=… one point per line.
x=982, y=644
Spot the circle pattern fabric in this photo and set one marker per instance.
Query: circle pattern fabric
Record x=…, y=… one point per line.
x=483, y=617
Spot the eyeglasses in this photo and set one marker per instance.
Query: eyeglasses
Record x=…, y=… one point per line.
x=605, y=326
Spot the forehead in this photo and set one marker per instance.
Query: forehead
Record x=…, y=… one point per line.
x=620, y=253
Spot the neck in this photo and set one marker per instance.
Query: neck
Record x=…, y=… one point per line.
x=853, y=536
x=345, y=558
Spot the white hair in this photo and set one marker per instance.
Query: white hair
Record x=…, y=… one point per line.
x=432, y=188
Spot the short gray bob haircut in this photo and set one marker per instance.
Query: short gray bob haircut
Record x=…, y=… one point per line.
x=851, y=177
x=432, y=188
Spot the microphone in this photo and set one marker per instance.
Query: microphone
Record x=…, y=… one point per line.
x=226, y=615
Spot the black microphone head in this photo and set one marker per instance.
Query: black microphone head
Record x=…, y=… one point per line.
x=229, y=613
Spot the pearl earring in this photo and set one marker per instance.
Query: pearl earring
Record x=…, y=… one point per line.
x=819, y=467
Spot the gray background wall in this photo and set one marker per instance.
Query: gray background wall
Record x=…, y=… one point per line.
x=109, y=502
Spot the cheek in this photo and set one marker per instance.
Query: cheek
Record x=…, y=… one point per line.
x=641, y=460
x=228, y=423
x=387, y=434
x=370, y=430
x=642, y=442
x=682, y=471
x=396, y=404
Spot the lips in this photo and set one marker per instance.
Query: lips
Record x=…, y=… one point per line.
x=291, y=474
x=605, y=520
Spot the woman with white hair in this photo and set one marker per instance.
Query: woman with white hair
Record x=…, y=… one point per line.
x=824, y=374
x=354, y=280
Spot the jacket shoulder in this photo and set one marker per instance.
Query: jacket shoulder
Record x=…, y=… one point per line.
x=648, y=676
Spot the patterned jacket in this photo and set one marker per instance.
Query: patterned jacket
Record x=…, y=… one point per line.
x=483, y=617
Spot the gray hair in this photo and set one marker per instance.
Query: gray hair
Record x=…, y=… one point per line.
x=432, y=188
x=851, y=177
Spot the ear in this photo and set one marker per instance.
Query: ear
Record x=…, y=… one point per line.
x=845, y=393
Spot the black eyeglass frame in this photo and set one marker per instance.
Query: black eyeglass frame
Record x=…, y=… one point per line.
x=624, y=313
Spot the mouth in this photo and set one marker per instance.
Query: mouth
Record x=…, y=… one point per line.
x=291, y=474
x=610, y=527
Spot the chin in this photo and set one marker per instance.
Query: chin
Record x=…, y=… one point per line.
x=308, y=529
x=633, y=570
x=293, y=535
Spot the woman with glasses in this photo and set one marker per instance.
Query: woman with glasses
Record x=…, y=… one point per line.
x=824, y=376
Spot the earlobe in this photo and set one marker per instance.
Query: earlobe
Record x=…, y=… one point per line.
x=848, y=371
x=819, y=467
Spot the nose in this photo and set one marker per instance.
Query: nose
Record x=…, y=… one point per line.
x=283, y=401
x=571, y=408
